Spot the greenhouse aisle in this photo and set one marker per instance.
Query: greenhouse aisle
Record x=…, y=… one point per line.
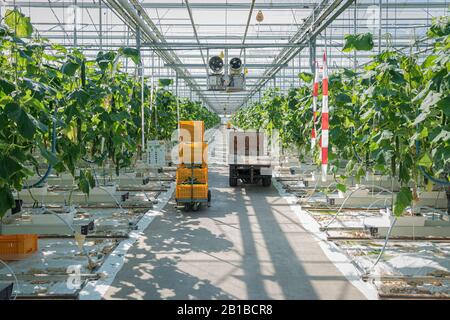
x=247, y=245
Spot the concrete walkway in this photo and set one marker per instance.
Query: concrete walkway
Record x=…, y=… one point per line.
x=247, y=245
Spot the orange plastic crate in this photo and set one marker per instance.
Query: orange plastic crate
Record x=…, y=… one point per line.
x=191, y=131
x=198, y=191
x=17, y=246
x=193, y=153
x=200, y=174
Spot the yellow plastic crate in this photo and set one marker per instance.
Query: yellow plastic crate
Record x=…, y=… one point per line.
x=200, y=174
x=191, y=131
x=193, y=153
x=197, y=191
x=17, y=246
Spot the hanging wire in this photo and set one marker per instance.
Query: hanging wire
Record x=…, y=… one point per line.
x=14, y=275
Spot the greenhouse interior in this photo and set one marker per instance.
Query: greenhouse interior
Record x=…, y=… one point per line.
x=225, y=150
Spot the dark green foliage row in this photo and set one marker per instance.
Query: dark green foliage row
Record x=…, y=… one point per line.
x=379, y=114
x=93, y=100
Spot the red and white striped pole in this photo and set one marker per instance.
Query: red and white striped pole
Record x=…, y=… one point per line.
x=324, y=136
x=315, y=95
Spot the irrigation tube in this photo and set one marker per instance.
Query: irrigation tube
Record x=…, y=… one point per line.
x=143, y=190
x=14, y=275
x=72, y=229
x=107, y=191
x=49, y=168
x=384, y=245
x=437, y=181
x=348, y=197
x=376, y=201
x=112, y=196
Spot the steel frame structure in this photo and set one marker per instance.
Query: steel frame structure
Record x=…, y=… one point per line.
x=174, y=35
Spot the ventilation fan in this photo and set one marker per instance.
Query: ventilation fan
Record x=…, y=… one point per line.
x=216, y=64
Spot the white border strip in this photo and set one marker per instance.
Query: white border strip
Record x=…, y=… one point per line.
x=331, y=250
x=95, y=290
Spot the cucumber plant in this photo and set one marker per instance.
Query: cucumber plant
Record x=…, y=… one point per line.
x=390, y=116
x=92, y=106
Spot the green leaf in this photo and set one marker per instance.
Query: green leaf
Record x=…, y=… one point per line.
x=421, y=117
x=18, y=23
x=90, y=178
x=6, y=200
x=373, y=146
x=429, y=61
x=50, y=157
x=104, y=59
x=424, y=133
x=444, y=104
x=444, y=135
x=39, y=125
x=349, y=73
x=9, y=167
x=80, y=95
x=71, y=132
x=25, y=126
x=363, y=42
x=83, y=183
x=348, y=123
x=118, y=117
x=6, y=86
x=39, y=89
x=165, y=82
x=132, y=53
x=69, y=68
x=86, y=181
x=425, y=161
x=3, y=31
x=431, y=99
x=306, y=76
x=343, y=98
x=440, y=27
x=341, y=187
x=402, y=201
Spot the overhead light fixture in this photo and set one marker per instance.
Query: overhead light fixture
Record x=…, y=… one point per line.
x=260, y=16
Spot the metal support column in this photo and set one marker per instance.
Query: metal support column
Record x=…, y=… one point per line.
x=75, y=20
x=355, y=64
x=152, y=88
x=100, y=28
x=312, y=55
x=178, y=99
x=380, y=2
x=140, y=68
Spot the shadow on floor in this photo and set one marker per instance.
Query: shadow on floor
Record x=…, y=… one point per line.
x=151, y=270
x=248, y=244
